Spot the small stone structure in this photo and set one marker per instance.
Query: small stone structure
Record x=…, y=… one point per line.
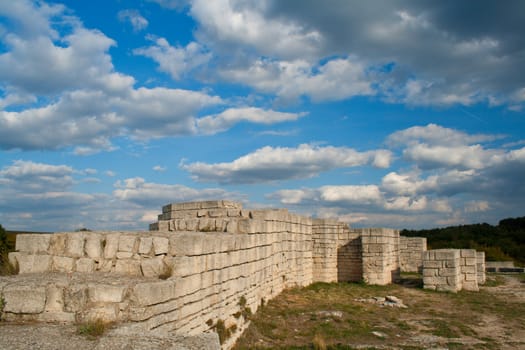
x=453, y=269
x=201, y=265
x=411, y=253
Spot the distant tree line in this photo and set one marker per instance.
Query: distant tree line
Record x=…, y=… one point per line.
x=503, y=242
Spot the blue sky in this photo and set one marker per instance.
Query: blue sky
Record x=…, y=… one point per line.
x=398, y=114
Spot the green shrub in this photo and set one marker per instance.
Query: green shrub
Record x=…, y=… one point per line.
x=93, y=329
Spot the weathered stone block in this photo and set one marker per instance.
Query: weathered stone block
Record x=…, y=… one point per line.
x=33, y=243
x=111, y=248
x=124, y=255
x=150, y=293
x=105, y=265
x=24, y=299
x=128, y=267
x=106, y=313
x=127, y=243
x=160, y=245
x=468, y=253
x=146, y=245
x=63, y=264
x=54, y=298
x=106, y=293
x=85, y=265
x=75, y=245
x=13, y=259
x=34, y=263
x=57, y=245
x=152, y=267
x=93, y=246
x=75, y=298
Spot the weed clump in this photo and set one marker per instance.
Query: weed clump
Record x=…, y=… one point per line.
x=93, y=329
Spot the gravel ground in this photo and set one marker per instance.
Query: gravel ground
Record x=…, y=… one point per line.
x=42, y=336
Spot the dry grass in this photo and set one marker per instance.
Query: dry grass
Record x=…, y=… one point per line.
x=298, y=319
x=93, y=329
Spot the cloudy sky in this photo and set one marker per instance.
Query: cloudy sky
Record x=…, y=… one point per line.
x=402, y=114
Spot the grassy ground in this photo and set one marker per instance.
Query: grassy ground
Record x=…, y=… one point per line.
x=329, y=316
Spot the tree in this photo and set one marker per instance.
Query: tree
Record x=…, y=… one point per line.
x=4, y=246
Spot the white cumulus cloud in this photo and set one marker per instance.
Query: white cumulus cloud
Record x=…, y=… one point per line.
x=282, y=163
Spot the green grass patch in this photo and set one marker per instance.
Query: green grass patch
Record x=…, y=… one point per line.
x=93, y=329
x=494, y=281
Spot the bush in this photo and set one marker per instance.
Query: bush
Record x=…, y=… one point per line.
x=93, y=329
x=5, y=266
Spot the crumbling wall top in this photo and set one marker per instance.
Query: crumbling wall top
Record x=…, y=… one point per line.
x=221, y=204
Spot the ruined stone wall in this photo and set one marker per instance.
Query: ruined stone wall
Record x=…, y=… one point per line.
x=202, y=264
x=411, y=253
x=480, y=263
x=453, y=269
x=442, y=270
x=336, y=252
x=469, y=269
x=380, y=255
x=239, y=260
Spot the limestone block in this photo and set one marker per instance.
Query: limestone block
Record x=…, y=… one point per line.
x=105, y=265
x=232, y=226
x=24, y=299
x=470, y=261
x=231, y=205
x=75, y=245
x=233, y=213
x=86, y=265
x=221, y=224
x=33, y=243
x=106, y=293
x=150, y=293
x=192, y=224
x=93, y=246
x=152, y=267
x=127, y=243
x=145, y=246
x=75, y=298
x=163, y=226
x=54, y=298
x=34, y=263
x=186, y=244
x=63, y=264
x=106, y=313
x=160, y=245
x=211, y=204
x=57, y=245
x=128, y=267
x=180, y=225
x=13, y=259
x=468, y=253
x=124, y=255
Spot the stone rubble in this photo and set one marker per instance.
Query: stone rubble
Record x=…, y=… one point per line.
x=389, y=300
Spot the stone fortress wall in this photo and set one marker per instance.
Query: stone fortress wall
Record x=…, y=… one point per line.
x=203, y=266
x=411, y=253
